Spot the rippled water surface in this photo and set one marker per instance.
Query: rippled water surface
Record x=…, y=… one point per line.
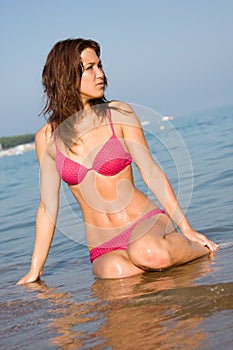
x=188, y=307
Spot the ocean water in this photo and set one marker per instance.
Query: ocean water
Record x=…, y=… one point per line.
x=187, y=307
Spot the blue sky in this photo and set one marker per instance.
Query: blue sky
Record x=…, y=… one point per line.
x=173, y=56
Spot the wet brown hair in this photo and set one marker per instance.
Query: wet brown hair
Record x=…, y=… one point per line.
x=61, y=79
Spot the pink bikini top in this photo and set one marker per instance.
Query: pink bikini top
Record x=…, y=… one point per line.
x=109, y=161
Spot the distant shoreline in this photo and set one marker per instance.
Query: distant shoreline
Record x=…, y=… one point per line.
x=17, y=150
x=8, y=142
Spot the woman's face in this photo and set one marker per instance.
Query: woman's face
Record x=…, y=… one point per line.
x=92, y=81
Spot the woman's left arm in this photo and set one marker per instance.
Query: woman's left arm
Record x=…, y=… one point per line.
x=156, y=179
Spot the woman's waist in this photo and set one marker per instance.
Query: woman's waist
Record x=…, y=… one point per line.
x=118, y=213
x=106, y=229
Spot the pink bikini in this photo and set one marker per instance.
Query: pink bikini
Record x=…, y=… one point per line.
x=109, y=161
x=121, y=241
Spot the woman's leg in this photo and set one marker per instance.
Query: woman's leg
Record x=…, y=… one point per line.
x=154, y=245
x=161, y=246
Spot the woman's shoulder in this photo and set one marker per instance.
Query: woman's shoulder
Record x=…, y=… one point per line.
x=44, y=133
x=122, y=112
x=44, y=139
x=120, y=105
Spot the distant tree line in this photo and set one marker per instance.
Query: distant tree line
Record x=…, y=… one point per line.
x=12, y=141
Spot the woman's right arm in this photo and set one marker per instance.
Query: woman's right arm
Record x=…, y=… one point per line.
x=47, y=209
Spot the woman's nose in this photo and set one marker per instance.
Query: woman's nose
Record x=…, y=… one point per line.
x=99, y=72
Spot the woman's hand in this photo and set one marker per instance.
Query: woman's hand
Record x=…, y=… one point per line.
x=200, y=239
x=29, y=278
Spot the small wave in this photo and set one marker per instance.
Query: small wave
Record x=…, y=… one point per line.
x=225, y=245
x=208, y=296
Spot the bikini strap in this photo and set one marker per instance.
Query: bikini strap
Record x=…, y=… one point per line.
x=110, y=120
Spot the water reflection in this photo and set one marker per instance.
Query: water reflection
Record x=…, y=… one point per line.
x=149, y=311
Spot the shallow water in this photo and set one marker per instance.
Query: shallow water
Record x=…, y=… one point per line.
x=187, y=307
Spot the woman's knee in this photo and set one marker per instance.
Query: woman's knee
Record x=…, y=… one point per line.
x=150, y=255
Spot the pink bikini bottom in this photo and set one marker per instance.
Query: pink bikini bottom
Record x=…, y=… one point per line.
x=121, y=241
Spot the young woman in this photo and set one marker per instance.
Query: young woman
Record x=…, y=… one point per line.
x=90, y=143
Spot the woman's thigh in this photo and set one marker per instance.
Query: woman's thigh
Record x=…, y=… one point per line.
x=150, y=230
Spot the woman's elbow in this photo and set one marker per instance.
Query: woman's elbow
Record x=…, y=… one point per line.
x=153, y=173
